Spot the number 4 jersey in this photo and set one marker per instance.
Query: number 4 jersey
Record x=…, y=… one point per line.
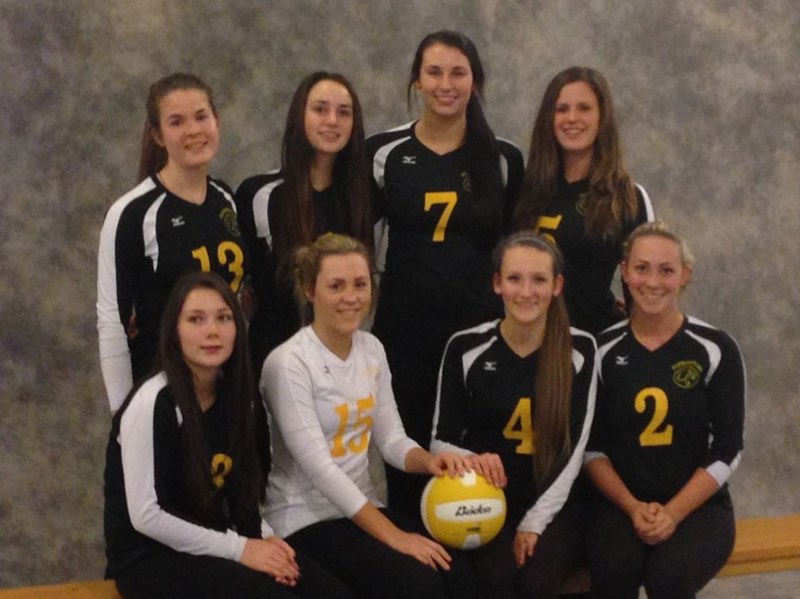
x=663, y=414
x=149, y=238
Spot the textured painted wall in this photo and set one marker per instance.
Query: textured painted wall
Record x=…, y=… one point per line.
x=707, y=96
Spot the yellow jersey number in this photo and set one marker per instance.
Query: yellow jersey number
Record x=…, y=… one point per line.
x=228, y=254
x=520, y=427
x=363, y=422
x=548, y=223
x=449, y=199
x=651, y=436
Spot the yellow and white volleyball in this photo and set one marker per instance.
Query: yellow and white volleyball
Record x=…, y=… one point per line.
x=463, y=512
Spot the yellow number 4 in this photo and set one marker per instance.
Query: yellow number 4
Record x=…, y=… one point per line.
x=520, y=427
x=449, y=199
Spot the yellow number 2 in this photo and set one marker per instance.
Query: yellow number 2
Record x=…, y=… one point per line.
x=449, y=199
x=651, y=436
x=520, y=427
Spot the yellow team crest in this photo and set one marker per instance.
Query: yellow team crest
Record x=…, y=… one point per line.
x=686, y=373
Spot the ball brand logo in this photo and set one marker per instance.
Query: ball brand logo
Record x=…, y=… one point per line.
x=473, y=510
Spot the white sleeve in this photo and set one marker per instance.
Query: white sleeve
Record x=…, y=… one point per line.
x=388, y=431
x=136, y=440
x=553, y=499
x=115, y=357
x=287, y=388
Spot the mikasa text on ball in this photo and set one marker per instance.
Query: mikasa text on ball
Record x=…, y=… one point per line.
x=463, y=512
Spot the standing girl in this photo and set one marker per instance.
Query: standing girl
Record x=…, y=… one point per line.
x=667, y=437
x=322, y=186
x=177, y=219
x=444, y=188
x=577, y=192
x=182, y=478
x=329, y=392
x=516, y=398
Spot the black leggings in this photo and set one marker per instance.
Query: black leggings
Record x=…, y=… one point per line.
x=168, y=574
x=372, y=569
x=558, y=551
x=674, y=569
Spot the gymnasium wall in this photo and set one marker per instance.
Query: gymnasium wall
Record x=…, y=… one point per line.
x=707, y=97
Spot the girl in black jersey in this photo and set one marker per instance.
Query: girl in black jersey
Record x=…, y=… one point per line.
x=182, y=479
x=577, y=192
x=175, y=220
x=322, y=186
x=443, y=187
x=516, y=396
x=667, y=436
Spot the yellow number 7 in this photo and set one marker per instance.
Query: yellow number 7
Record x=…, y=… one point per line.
x=449, y=199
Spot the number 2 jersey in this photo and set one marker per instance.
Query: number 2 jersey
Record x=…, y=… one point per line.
x=663, y=414
x=150, y=237
x=485, y=403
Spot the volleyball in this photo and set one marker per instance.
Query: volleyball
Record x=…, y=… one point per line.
x=463, y=512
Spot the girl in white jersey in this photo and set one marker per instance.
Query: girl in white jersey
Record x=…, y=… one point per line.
x=328, y=389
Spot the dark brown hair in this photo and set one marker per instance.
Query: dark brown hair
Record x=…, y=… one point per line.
x=350, y=171
x=483, y=156
x=235, y=384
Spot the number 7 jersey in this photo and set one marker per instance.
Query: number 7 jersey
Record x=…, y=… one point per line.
x=663, y=414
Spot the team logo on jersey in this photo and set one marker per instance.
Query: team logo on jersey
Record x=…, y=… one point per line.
x=490, y=366
x=466, y=182
x=177, y=221
x=409, y=159
x=686, y=373
x=221, y=466
x=228, y=218
x=583, y=201
x=621, y=360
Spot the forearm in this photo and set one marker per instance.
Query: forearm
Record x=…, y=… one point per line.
x=694, y=493
x=606, y=479
x=372, y=521
x=418, y=461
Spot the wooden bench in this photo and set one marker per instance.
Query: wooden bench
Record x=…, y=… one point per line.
x=762, y=545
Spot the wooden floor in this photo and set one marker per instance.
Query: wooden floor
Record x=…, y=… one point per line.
x=762, y=545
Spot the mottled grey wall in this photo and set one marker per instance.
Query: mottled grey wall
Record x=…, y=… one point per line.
x=707, y=93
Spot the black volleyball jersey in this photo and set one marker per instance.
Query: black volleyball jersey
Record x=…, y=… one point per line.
x=663, y=414
x=150, y=237
x=589, y=265
x=145, y=497
x=440, y=234
x=262, y=203
x=486, y=401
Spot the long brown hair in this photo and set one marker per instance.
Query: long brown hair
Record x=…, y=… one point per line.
x=553, y=383
x=153, y=157
x=236, y=385
x=350, y=171
x=613, y=199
